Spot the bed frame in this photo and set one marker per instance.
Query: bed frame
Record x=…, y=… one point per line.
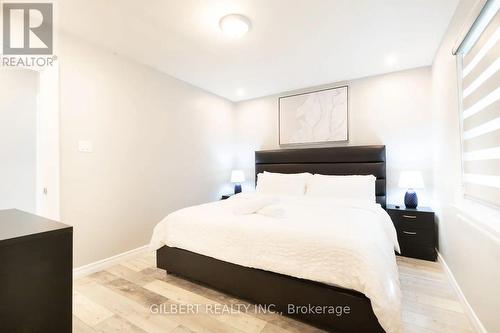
x=277, y=290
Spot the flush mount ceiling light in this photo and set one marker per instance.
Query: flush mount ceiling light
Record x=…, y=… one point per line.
x=234, y=25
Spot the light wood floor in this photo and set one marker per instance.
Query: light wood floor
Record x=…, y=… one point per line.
x=118, y=300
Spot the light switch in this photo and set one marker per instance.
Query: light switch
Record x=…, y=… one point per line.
x=85, y=146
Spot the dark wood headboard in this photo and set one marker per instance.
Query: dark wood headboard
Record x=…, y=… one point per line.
x=350, y=160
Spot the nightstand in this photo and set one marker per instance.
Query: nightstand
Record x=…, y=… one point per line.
x=226, y=196
x=416, y=231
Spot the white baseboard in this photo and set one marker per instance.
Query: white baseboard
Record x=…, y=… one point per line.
x=108, y=262
x=476, y=323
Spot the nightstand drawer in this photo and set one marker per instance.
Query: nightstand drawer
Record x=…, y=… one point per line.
x=422, y=252
x=412, y=220
x=415, y=236
x=417, y=249
x=413, y=225
x=417, y=244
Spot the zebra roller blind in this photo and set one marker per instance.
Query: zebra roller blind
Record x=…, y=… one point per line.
x=480, y=60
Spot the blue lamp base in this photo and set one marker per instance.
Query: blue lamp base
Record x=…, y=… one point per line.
x=411, y=199
x=237, y=188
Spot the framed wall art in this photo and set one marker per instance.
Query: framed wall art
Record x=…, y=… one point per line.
x=314, y=117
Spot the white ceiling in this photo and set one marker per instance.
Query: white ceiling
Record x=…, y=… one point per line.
x=292, y=44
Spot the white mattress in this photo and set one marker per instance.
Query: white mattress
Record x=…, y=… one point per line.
x=337, y=242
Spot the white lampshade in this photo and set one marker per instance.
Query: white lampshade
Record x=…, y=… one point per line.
x=237, y=176
x=411, y=179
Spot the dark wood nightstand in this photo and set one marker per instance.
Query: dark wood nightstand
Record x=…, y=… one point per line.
x=416, y=231
x=226, y=196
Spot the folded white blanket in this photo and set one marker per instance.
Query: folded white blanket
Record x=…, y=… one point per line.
x=274, y=210
x=339, y=242
x=250, y=204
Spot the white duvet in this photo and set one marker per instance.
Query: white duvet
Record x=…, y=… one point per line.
x=338, y=242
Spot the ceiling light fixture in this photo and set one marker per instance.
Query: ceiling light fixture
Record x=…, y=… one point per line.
x=234, y=25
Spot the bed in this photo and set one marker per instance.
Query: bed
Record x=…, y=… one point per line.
x=285, y=276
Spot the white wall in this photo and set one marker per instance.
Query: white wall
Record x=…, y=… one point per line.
x=159, y=144
x=470, y=248
x=391, y=109
x=18, y=107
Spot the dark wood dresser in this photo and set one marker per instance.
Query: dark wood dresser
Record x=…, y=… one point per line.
x=36, y=259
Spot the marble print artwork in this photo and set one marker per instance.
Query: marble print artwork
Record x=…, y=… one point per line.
x=314, y=117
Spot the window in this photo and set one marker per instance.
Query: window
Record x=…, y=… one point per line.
x=479, y=63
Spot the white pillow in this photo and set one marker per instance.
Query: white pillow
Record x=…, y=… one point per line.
x=351, y=187
x=281, y=183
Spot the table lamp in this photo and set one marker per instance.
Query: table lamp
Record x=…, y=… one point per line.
x=237, y=177
x=411, y=180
